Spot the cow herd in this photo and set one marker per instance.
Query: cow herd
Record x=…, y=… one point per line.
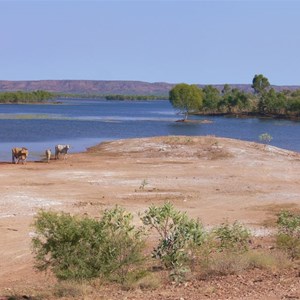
x=21, y=154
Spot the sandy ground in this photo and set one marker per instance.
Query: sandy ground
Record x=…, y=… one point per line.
x=210, y=178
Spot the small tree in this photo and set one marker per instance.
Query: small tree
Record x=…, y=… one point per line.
x=186, y=98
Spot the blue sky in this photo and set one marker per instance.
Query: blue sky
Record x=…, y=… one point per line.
x=205, y=42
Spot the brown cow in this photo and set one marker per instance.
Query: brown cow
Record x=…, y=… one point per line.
x=19, y=154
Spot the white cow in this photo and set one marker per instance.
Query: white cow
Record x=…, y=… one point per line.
x=61, y=149
x=48, y=155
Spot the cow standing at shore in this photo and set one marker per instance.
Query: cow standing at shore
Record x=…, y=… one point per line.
x=19, y=154
x=48, y=155
x=61, y=149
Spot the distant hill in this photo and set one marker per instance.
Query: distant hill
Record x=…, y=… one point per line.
x=103, y=87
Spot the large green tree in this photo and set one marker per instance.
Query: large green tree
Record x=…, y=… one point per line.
x=187, y=98
x=260, y=84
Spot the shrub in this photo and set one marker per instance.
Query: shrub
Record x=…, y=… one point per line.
x=124, y=244
x=178, y=234
x=67, y=245
x=288, y=236
x=265, y=138
x=82, y=248
x=234, y=238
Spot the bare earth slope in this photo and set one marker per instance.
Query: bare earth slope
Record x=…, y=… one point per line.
x=213, y=179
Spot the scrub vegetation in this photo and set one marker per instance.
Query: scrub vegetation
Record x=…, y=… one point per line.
x=112, y=248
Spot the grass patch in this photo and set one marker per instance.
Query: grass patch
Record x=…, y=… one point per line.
x=71, y=289
x=143, y=280
x=223, y=263
x=271, y=261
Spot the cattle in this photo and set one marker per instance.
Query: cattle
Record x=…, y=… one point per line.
x=19, y=154
x=61, y=149
x=48, y=155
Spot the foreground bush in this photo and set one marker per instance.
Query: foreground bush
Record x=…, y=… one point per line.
x=178, y=234
x=83, y=248
x=288, y=236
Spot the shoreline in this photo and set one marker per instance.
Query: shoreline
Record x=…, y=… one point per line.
x=250, y=115
x=39, y=156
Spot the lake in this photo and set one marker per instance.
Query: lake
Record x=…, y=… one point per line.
x=83, y=123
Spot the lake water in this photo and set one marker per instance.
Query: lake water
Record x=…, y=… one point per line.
x=84, y=123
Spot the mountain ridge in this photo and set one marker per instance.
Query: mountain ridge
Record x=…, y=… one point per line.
x=109, y=87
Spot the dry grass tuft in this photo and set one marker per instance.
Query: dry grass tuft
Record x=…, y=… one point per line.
x=71, y=289
x=271, y=261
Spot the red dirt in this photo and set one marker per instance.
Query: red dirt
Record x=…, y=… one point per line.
x=213, y=179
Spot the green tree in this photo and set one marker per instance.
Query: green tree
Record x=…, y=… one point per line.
x=293, y=106
x=226, y=89
x=272, y=102
x=260, y=84
x=211, y=98
x=234, y=100
x=186, y=98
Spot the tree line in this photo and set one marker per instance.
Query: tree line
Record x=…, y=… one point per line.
x=25, y=97
x=264, y=100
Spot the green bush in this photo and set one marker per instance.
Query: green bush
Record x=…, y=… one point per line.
x=82, y=248
x=124, y=245
x=178, y=234
x=288, y=236
x=265, y=138
x=233, y=237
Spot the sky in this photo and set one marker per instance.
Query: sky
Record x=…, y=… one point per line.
x=203, y=42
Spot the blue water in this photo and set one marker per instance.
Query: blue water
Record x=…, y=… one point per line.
x=84, y=123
